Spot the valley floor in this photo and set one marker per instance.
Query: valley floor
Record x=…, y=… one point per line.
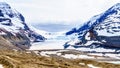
x=29, y=59
x=55, y=48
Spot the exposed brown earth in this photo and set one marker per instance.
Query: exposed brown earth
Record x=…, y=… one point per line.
x=20, y=59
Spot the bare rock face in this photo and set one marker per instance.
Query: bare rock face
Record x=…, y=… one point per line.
x=14, y=30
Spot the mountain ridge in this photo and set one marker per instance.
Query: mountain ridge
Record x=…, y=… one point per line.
x=14, y=29
x=104, y=26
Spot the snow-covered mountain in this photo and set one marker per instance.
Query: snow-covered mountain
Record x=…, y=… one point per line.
x=101, y=29
x=14, y=28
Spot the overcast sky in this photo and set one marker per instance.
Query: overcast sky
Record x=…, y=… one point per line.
x=57, y=11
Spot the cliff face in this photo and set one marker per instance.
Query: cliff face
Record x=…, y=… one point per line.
x=10, y=41
x=14, y=30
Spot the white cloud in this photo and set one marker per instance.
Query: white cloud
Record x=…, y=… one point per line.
x=60, y=10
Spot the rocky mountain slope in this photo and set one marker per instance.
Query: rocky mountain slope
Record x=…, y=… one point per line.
x=13, y=29
x=101, y=29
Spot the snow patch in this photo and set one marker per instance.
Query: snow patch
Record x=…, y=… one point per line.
x=92, y=66
x=1, y=66
x=72, y=56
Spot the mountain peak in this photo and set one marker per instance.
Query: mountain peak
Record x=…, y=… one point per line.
x=116, y=7
x=4, y=5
